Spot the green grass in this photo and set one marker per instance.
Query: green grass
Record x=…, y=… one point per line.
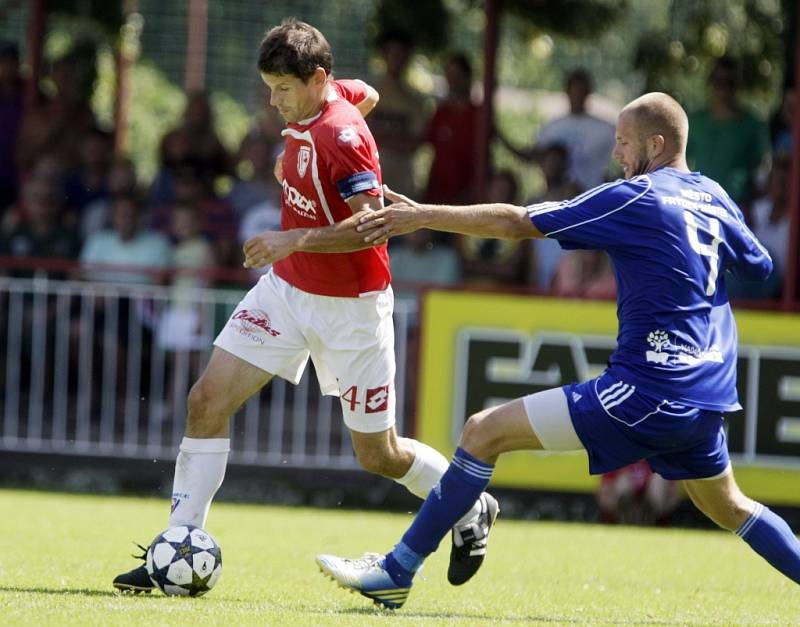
x=58, y=554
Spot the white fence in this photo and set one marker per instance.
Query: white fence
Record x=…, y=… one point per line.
x=104, y=369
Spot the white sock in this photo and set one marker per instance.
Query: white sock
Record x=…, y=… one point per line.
x=199, y=471
x=427, y=468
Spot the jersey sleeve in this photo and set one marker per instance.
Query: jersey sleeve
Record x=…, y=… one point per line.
x=748, y=258
x=594, y=219
x=352, y=90
x=352, y=158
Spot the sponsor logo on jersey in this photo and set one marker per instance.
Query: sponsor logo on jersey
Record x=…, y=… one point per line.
x=299, y=203
x=576, y=397
x=254, y=323
x=346, y=135
x=377, y=399
x=303, y=158
x=681, y=353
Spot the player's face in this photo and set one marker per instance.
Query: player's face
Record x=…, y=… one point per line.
x=630, y=151
x=294, y=98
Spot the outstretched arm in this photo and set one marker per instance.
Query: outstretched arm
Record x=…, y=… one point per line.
x=495, y=220
x=341, y=237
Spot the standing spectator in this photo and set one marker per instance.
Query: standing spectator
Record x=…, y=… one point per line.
x=400, y=119
x=41, y=231
x=54, y=127
x=488, y=262
x=587, y=139
x=10, y=119
x=181, y=331
x=546, y=253
x=452, y=135
x=635, y=494
x=728, y=143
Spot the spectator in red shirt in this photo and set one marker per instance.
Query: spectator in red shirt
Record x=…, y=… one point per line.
x=452, y=135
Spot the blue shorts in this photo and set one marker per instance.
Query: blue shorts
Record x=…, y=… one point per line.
x=619, y=424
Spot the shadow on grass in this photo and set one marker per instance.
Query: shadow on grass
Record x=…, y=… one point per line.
x=85, y=592
x=368, y=611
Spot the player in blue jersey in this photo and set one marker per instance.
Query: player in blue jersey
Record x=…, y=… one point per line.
x=671, y=235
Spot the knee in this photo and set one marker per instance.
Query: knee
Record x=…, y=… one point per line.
x=477, y=437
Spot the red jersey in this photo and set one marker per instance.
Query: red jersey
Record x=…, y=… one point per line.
x=328, y=159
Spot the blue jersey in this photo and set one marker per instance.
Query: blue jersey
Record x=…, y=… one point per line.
x=671, y=236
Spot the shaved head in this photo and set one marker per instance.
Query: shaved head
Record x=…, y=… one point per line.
x=651, y=133
x=657, y=113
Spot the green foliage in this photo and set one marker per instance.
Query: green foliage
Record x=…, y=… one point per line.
x=427, y=23
x=105, y=13
x=580, y=19
x=678, y=58
x=61, y=551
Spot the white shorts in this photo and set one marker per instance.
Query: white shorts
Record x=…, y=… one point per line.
x=276, y=327
x=548, y=414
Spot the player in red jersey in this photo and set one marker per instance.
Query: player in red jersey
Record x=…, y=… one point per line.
x=327, y=297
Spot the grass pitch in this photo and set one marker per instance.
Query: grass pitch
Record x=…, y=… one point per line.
x=58, y=554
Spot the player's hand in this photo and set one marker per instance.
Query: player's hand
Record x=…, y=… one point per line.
x=398, y=218
x=278, y=169
x=266, y=248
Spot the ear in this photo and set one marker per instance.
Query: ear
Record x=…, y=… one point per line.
x=319, y=77
x=656, y=145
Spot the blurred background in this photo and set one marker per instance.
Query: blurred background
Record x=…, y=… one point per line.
x=136, y=156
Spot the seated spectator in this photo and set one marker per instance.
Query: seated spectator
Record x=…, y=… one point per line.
x=193, y=139
x=125, y=244
x=781, y=124
x=494, y=262
x=635, y=495
x=217, y=221
x=417, y=258
x=88, y=182
x=254, y=183
x=11, y=109
x=584, y=274
x=121, y=182
x=40, y=230
x=770, y=223
x=545, y=253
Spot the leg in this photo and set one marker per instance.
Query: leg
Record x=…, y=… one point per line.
x=767, y=534
x=226, y=383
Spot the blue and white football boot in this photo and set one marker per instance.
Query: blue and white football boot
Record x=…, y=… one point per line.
x=367, y=576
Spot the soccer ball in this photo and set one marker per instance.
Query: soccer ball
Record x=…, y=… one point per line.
x=184, y=561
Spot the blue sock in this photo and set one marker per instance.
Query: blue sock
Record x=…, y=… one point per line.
x=770, y=537
x=458, y=489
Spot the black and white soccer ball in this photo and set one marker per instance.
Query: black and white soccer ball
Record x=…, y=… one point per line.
x=184, y=561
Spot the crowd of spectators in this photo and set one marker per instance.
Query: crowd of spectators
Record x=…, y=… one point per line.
x=65, y=193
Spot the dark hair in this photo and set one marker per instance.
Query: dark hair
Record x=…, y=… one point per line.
x=294, y=49
x=461, y=60
x=579, y=75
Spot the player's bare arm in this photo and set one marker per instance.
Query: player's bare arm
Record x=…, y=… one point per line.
x=368, y=104
x=271, y=246
x=495, y=220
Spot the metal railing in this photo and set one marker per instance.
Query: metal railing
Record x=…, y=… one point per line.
x=104, y=369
